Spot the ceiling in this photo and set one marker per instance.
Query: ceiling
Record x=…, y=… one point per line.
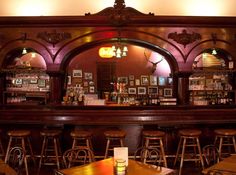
x=80, y=7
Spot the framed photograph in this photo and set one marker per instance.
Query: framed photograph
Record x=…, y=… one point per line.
x=161, y=81
x=153, y=80
x=33, y=81
x=68, y=80
x=41, y=83
x=91, y=83
x=18, y=81
x=144, y=80
x=91, y=89
x=167, y=92
x=137, y=82
x=132, y=90
x=131, y=83
x=122, y=80
x=169, y=81
x=77, y=73
x=152, y=90
x=131, y=77
x=142, y=90
x=85, y=83
x=86, y=90
x=88, y=76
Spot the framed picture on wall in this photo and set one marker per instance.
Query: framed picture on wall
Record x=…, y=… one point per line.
x=137, y=82
x=153, y=80
x=167, y=92
x=131, y=77
x=88, y=76
x=132, y=90
x=41, y=83
x=161, y=81
x=91, y=89
x=152, y=90
x=69, y=80
x=144, y=80
x=142, y=90
x=77, y=73
x=122, y=80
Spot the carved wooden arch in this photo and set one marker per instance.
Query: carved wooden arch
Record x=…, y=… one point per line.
x=15, y=44
x=139, y=38
x=208, y=44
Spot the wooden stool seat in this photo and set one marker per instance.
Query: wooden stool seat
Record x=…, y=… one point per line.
x=189, y=138
x=20, y=136
x=112, y=136
x=19, y=133
x=50, y=133
x=225, y=132
x=50, y=136
x=82, y=134
x=153, y=133
x=115, y=134
x=225, y=138
x=190, y=132
x=154, y=139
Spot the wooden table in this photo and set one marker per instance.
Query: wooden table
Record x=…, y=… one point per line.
x=228, y=166
x=105, y=167
x=6, y=169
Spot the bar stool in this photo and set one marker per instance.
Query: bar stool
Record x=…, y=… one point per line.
x=225, y=137
x=189, y=138
x=50, y=137
x=112, y=136
x=2, y=152
x=155, y=139
x=81, y=138
x=19, y=137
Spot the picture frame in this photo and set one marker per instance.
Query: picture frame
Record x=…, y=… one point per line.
x=132, y=91
x=41, y=83
x=131, y=83
x=167, y=92
x=88, y=76
x=77, y=73
x=142, y=90
x=161, y=81
x=169, y=81
x=33, y=81
x=18, y=81
x=122, y=80
x=131, y=77
x=144, y=80
x=153, y=80
x=68, y=80
x=86, y=83
x=153, y=90
x=91, y=89
x=137, y=82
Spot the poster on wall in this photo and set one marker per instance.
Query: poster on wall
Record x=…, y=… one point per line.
x=77, y=73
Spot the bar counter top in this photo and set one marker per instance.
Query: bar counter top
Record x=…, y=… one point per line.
x=117, y=114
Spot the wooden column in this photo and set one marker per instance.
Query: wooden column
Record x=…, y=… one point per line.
x=57, y=80
x=2, y=85
x=183, y=83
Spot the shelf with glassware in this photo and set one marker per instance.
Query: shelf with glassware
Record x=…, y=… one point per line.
x=26, y=87
x=211, y=88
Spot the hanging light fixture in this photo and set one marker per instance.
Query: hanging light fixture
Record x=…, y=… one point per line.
x=24, y=51
x=119, y=49
x=214, y=52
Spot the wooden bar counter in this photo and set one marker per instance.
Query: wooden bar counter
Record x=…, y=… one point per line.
x=132, y=119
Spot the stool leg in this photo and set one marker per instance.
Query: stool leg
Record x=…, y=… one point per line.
x=8, y=149
x=182, y=157
x=42, y=154
x=56, y=152
x=25, y=159
x=163, y=152
x=200, y=153
x=122, y=142
x=74, y=143
x=107, y=147
x=220, y=146
x=1, y=147
x=31, y=150
x=178, y=149
x=233, y=138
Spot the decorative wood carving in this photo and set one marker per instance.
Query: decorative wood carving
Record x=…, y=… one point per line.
x=54, y=37
x=119, y=14
x=184, y=38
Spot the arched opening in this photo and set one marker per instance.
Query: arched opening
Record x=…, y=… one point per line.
x=146, y=71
